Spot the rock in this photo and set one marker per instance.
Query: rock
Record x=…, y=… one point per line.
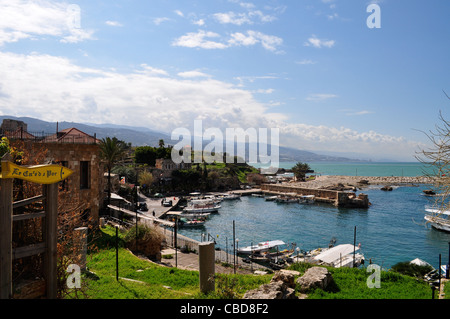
x=386, y=188
x=281, y=286
x=285, y=277
x=272, y=290
x=315, y=277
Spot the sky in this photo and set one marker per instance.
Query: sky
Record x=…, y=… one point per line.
x=331, y=75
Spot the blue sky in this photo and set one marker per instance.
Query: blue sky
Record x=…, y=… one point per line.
x=312, y=68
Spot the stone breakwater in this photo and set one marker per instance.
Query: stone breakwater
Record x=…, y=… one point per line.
x=330, y=181
x=340, y=190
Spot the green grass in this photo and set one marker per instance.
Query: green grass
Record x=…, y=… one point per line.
x=140, y=279
x=352, y=284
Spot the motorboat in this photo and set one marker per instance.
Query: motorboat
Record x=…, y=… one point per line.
x=270, y=198
x=231, y=196
x=201, y=206
x=438, y=219
x=184, y=222
x=283, y=199
x=341, y=256
x=195, y=215
x=261, y=247
x=307, y=199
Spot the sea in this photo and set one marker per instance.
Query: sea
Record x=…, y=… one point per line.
x=391, y=230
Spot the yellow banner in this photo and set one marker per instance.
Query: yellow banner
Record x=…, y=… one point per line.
x=41, y=174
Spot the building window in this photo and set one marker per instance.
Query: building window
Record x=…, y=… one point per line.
x=84, y=175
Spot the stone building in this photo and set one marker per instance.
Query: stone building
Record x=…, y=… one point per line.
x=80, y=152
x=165, y=167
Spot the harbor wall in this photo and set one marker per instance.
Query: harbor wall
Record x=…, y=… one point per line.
x=337, y=198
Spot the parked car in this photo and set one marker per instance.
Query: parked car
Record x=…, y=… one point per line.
x=167, y=203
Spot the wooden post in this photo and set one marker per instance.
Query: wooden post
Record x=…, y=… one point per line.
x=51, y=221
x=6, y=211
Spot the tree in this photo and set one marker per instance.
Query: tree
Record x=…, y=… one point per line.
x=300, y=169
x=161, y=143
x=112, y=151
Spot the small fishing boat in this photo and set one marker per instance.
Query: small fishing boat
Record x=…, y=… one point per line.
x=438, y=219
x=307, y=199
x=201, y=206
x=184, y=222
x=195, y=215
x=286, y=199
x=270, y=198
x=231, y=196
x=261, y=247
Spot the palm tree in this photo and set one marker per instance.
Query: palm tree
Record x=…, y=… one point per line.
x=300, y=170
x=112, y=150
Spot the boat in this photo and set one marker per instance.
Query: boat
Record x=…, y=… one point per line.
x=307, y=199
x=201, y=206
x=270, y=198
x=261, y=247
x=257, y=195
x=231, y=196
x=285, y=199
x=341, y=256
x=184, y=222
x=195, y=215
x=438, y=219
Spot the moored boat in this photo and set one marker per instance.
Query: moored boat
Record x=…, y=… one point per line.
x=307, y=199
x=438, y=219
x=261, y=247
x=201, y=206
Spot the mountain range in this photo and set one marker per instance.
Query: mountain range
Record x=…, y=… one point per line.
x=140, y=136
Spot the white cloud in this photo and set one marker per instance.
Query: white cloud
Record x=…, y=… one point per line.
x=179, y=13
x=319, y=43
x=114, y=23
x=22, y=19
x=55, y=89
x=320, y=97
x=199, y=22
x=306, y=62
x=158, y=21
x=200, y=40
x=193, y=74
x=243, y=18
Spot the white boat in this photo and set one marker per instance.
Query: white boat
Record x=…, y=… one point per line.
x=438, y=219
x=195, y=215
x=270, y=198
x=260, y=247
x=231, y=196
x=341, y=256
x=307, y=199
x=184, y=222
x=201, y=206
x=283, y=199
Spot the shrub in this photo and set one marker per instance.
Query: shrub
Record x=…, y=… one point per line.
x=149, y=240
x=406, y=268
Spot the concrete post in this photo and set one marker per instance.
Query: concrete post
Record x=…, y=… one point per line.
x=80, y=235
x=206, y=266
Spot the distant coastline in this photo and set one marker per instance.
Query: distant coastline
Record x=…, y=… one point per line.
x=361, y=170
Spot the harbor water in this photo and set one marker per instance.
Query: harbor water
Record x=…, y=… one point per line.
x=391, y=230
